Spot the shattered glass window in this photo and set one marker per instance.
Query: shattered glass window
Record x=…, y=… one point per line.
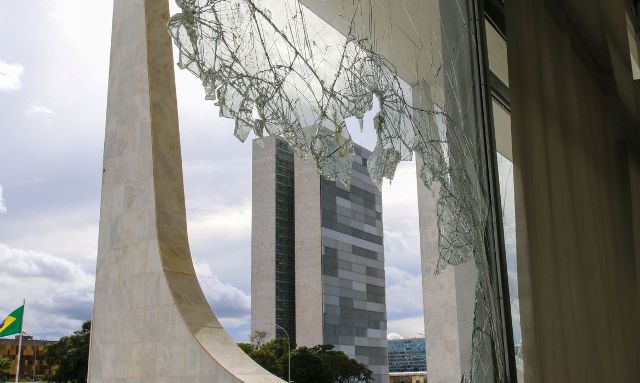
x=279, y=68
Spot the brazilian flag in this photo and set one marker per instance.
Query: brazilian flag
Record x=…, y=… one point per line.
x=13, y=323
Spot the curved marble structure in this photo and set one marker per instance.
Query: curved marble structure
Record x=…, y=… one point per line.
x=151, y=321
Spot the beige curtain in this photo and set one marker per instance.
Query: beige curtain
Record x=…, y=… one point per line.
x=574, y=116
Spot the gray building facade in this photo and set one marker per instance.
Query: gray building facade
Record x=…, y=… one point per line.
x=338, y=262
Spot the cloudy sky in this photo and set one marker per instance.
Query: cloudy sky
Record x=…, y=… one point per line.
x=53, y=85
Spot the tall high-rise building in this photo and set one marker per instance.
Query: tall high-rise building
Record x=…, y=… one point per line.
x=318, y=256
x=272, y=238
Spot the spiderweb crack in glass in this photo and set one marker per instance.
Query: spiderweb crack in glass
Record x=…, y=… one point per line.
x=281, y=70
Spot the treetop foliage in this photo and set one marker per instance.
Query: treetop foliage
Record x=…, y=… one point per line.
x=5, y=363
x=71, y=355
x=319, y=364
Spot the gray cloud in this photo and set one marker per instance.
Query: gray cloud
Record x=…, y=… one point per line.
x=227, y=300
x=58, y=292
x=405, y=291
x=31, y=264
x=67, y=231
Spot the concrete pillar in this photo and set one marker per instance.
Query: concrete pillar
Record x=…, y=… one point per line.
x=151, y=320
x=263, y=232
x=448, y=299
x=308, y=216
x=439, y=296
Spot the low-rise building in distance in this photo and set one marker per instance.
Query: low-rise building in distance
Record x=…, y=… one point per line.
x=408, y=377
x=31, y=363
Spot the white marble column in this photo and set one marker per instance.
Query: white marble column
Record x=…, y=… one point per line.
x=151, y=321
x=447, y=297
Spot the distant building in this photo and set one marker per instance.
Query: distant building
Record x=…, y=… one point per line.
x=407, y=377
x=317, y=262
x=273, y=238
x=31, y=362
x=407, y=355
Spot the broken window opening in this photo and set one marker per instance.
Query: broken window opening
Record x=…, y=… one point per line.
x=277, y=68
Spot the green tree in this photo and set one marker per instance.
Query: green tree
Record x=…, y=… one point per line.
x=247, y=348
x=71, y=355
x=272, y=354
x=307, y=367
x=279, y=348
x=342, y=368
x=268, y=361
x=5, y=363
x=258, y=338
x=320, y=364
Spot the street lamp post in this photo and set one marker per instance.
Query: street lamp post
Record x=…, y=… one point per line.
x=288, y=347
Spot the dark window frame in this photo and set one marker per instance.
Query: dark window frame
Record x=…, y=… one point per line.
x=490, y=87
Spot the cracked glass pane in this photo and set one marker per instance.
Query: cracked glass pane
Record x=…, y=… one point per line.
x=277, y=68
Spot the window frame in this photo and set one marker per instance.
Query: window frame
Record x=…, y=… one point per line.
x=491, y=87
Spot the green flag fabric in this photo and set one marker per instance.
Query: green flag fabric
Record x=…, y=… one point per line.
x=13, y=323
